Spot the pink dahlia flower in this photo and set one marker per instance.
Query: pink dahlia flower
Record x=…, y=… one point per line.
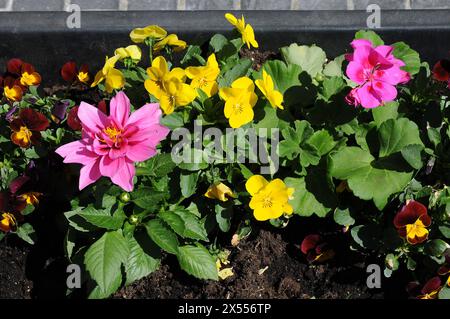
x=111, y=144
x=376, y=71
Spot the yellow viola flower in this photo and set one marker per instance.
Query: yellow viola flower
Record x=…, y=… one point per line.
x=248, y=35
x=240, y=99
x=8, y=222
x=269, y=199
x=139, y=35
x=267, y=88
x=172, y=41
x=158, y=73
x=132, y=51
x=114, y=79
x=13, y=93
x=175, y=94
x=31, y=198
x=219, y=191
x=204, y=77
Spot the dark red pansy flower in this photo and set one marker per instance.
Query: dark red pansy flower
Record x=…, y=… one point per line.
x=14, y=66
x=428, y=291
x=69, y=71
x=316, y=249
x=412, y=222
x=72, y=119
x=27, y=127
x=441, y=71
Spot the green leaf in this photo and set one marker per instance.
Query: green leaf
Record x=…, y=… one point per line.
x=143, y=259
x=343, y=217
x=174, y=221
x=332, y=86
x=102, y=218
x=104, y=258
x=367, y=236
x=173, y=120
x=436, y=247
x=284, y=76
x=217, y=42
x=26, y=232
x=188, y=184
x=194, y=229
x=223, y=216
x=369, y=35
x=239, y=70
x=162, y=236
x=411, y=58
x=385, y=112
x=445, y=230
x=310, y=58
x=444, y=293
x=158, y=166
x=147, y=198
x=304, y=202
x=334, y=67
x=322, y=141
x=413, y=155
x=367, y=182
x=290, y=147
x=394, y=135
x=197, y=261
x=191, y=53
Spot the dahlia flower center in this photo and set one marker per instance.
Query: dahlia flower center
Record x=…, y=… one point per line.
x=114, y=134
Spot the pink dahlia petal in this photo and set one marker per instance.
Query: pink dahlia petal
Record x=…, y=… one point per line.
x=109, y=167
x=124, y=176
x=120, y=109
x=140, y=152
x=153, y=135
x=89, y=174
x=76, y=152
x=146, y=116
x=92, y=118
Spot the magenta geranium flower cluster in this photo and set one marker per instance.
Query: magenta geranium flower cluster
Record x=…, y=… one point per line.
x=376, y=72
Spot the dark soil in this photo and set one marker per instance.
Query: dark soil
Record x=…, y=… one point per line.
x=258, y=58
x=288, y=275
x=13, y=282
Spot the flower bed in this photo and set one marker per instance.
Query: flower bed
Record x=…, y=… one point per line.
x=182, y=163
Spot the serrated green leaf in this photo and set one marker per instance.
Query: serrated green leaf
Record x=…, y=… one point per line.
x=102, y=218
x=158, y=166
x=322, y=141
x=26, y=232
x=143, y=259
x=188, y=184
x=162, y=235
x=104, y=258
x=192, y=227
x=147, y=198
x=197, y=261
x=444, y=293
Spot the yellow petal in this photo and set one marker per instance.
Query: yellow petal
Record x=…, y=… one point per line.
x=231, y=18
x=185, y=95
x=219, y=191
x=134, y=52
x=160, y=64
x=122, y=52
x=167, y=104
x=139, y=35
x=238, y=119
x=99, y=77
x=255, y=183
x=243, y=83
x=225, y=273
x=177, y=73
x=114, y=80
